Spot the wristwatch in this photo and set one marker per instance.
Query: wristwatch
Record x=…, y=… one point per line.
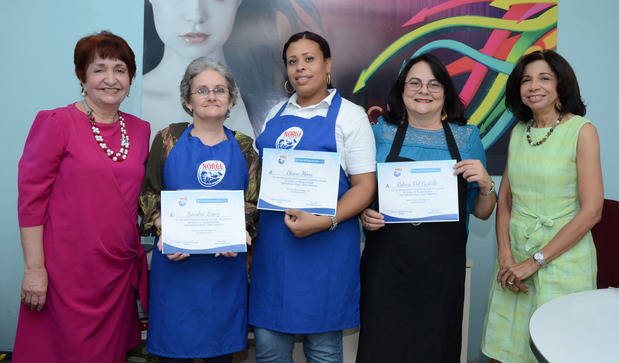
x=539, y=258
x=333, y=223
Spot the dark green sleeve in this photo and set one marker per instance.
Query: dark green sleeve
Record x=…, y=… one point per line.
x=253, y=187
x=150, y=196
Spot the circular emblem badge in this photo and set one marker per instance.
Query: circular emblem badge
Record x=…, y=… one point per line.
x=211, y=172
x=290, y=138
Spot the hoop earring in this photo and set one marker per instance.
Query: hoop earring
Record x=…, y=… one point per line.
x=328, y=79
x=443, y=116
x=288, y=90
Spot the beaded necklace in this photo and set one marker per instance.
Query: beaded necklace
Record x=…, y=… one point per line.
x=538, y=143
x=124, y=138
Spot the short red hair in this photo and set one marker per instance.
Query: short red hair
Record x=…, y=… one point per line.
x=105, y=45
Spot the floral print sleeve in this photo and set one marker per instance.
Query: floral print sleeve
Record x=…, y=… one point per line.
x=150, y=196
x=253, y=186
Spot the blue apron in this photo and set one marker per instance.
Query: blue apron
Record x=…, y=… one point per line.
x=198, y=306
x=304, y=285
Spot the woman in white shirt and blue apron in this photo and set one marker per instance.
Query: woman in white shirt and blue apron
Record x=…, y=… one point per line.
x=305, y=270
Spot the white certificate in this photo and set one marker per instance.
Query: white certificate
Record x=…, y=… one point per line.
x=301, y=179
x=418, y=191
x=203, y=221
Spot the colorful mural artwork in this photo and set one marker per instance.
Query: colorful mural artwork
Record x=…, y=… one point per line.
x=524, y=27
x=478, y=40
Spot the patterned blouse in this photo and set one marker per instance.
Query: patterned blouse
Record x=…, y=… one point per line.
x=150, y=196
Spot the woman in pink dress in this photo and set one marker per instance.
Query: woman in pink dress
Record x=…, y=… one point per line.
x=79, y=179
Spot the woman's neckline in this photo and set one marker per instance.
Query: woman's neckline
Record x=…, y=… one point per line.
x=566, y=119
x=99, y=124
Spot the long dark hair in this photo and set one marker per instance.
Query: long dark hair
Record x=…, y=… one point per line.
x=453, y=106
x=567, y=86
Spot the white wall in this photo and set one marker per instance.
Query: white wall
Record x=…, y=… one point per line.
x=587, y=39
x=37, y=39
x=38, y=36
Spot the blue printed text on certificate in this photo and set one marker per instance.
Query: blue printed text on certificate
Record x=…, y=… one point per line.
x=300, y=179
x=203, y=221
x=418, y=191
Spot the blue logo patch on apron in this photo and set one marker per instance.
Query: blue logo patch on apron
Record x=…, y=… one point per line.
x=211, y=172
x=290, y=138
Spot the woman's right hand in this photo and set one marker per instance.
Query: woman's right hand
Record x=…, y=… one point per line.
x=372, y=220
x=34, y=288
x=175, y=256
x=505, y=279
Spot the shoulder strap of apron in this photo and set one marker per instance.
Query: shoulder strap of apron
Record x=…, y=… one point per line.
x=396, y=145
x=462, y=189
x=281, y=109
x=451, y=142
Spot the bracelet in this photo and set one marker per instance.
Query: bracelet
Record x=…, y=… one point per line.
x=333, y=223
x=489, y=191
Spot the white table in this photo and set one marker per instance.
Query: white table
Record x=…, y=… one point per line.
x=579, y=327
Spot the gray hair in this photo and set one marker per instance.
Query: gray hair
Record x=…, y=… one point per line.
x=196, y=67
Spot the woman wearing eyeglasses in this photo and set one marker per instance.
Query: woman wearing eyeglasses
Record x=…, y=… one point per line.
x=199, y=302
x=412, y=276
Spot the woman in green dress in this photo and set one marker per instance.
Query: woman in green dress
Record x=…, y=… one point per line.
x=551, y=196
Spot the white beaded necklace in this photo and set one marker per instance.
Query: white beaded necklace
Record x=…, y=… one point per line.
x=124, y=138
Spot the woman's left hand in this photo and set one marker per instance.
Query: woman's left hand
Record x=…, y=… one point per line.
x=473, y=170
x=517, y=273
x=303, y=224
x=234, y=254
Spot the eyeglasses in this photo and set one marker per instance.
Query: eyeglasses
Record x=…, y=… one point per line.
x=415, y=84
x=204, y=92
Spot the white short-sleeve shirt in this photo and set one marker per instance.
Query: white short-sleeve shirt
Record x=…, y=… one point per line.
x=353, y=133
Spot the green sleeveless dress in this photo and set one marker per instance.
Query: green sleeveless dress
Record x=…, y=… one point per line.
x=544, y=186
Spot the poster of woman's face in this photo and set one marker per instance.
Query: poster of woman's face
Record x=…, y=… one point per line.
x=478, y=41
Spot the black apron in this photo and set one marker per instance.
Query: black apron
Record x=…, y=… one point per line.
x=412, y=283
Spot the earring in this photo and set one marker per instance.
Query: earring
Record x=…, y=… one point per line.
x=288, y=90
x=128, y=94
x=329, y=79
x=444, y=116
x=84, y=92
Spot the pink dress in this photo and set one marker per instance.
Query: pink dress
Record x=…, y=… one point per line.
x=88, y=206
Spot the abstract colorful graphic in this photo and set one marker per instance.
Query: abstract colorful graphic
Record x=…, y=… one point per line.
x=478, y=40
x=524, y=26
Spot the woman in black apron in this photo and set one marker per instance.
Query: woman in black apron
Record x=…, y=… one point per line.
x=412, y=275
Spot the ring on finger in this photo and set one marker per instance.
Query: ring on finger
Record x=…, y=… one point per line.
x=510, y=283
